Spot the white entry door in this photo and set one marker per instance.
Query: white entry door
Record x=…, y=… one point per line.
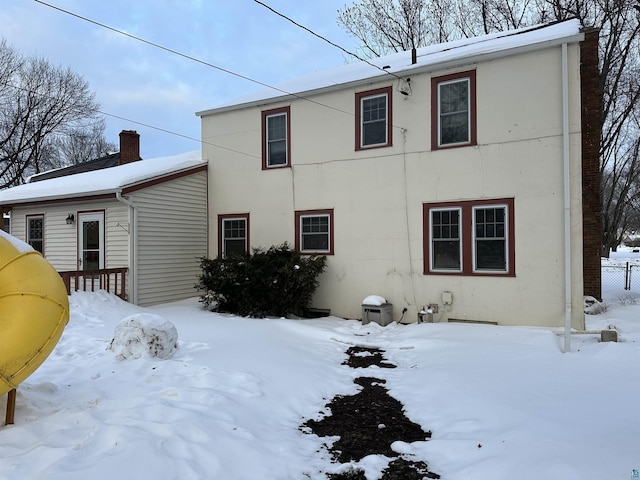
x=91, y=241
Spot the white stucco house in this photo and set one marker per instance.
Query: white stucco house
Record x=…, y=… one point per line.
x=146, y=218
x=462, y=176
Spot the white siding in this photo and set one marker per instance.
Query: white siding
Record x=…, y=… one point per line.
x=171, y=237
x=61, y=239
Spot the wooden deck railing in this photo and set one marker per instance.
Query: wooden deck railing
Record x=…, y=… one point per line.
x=112, y=280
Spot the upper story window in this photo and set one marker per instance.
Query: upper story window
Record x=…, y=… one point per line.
x=35, y=232
x=276, y=141
x=233, y=234
x=373, y=118
x=470, y=238
x=314, y=232
x=453, y=110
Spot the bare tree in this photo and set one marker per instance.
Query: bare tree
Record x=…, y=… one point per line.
x=38, y=103
x=79, y=145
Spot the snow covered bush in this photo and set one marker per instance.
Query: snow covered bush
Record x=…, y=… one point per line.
x=274, y=282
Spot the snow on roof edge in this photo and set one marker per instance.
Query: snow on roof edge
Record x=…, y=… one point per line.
x=101, y=182
x=441, y=55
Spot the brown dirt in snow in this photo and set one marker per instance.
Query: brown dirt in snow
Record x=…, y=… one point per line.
x=369, y=422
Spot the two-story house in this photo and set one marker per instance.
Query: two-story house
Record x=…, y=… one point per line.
x=462, y=176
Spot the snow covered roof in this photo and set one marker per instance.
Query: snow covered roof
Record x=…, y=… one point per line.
x=100, y=182
x=429, y=58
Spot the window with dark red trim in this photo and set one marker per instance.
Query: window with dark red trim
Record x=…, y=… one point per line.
x=469, y=237
x=314, y=232
x=276, y=138
x=233, y=234
x=453, y=110
x=373, y=118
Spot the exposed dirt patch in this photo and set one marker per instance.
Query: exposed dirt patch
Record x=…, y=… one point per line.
x=369, y=422
x=363, y=357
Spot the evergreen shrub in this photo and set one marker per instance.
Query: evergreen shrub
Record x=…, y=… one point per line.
x=274, y=282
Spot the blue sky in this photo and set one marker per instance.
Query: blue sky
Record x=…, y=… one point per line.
x=148, y=85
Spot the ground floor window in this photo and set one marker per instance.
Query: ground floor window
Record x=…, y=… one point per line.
x=233, y=234
x=469, y=237
x=314, y=232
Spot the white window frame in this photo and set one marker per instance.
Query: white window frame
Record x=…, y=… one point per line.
x=432, y=240
x=466, y=80
x=29, y=218
x=223, y=247
x=384, y=121
x=504, y=238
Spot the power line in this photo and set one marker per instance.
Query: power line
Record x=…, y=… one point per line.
x=324, y=39
x=189, y=57
x=160, y=129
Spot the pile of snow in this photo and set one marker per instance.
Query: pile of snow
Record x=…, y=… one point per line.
x=144, y=333
x=375, y=300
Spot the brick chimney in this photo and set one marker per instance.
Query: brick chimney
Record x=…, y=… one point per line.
x=129, y=147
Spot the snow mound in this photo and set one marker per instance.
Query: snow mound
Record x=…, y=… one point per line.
x=144, y=333
x=593, y=307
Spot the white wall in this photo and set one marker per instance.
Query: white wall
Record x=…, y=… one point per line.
x=378, y=194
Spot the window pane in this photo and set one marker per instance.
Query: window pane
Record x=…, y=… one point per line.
x=454, y=112
x=374, y=120
x=35, y=233
x=490, y=242
x=314, y=233
x=277, y=139
x=445, y=239
x=234, y=236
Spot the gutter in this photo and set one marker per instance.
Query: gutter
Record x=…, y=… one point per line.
x=567, y=200
x=133, y=246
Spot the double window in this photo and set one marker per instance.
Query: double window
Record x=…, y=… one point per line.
x=373, y=118
x=314, y=232
x=470, y=238
x=35, y=232
x=276, y=133
x=453, y=110
x=233, y=234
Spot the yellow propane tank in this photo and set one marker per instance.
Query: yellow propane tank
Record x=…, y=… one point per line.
x=34, y=309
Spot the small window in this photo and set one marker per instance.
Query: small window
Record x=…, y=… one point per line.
x=314, y=232
x=275, y=135
x=373, y=118
x=470, y=238
x=233, y=234
x=35, y=232
x=453, y=110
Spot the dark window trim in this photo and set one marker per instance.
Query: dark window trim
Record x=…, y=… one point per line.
x=435, y=117
x=304, y=213
x=26, y=235
x=467, y=237
x=232, y=216
x=265, y=114
x=358, y=109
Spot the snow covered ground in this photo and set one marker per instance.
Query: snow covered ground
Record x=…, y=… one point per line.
x=502, y=402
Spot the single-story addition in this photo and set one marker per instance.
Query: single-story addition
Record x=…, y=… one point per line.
x=460, y=179
x=146, y=219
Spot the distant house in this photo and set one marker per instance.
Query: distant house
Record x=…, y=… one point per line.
x=146, y=217
x=461, y=176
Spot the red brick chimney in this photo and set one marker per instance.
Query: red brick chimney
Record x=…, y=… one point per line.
x=129, y=147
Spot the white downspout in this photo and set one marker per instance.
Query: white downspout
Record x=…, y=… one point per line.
x=133, y=247
x=567, y=200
